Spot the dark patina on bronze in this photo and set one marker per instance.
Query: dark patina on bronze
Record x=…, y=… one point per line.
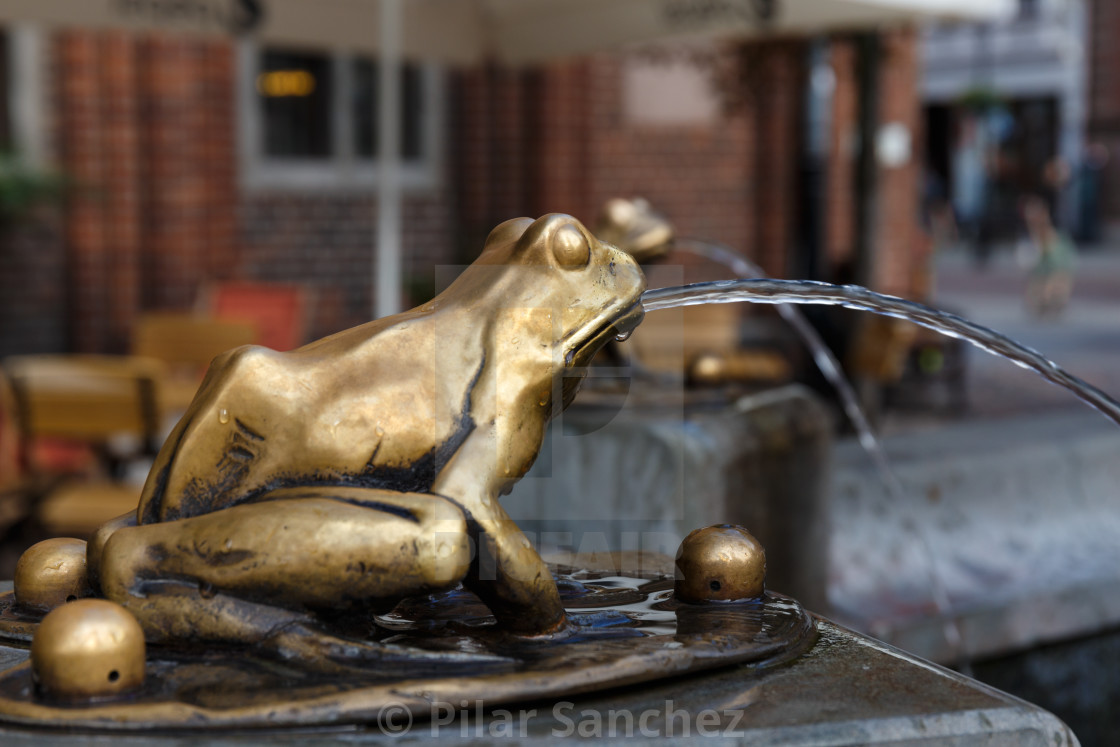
x=321, y=537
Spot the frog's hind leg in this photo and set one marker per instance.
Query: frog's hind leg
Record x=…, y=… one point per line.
x=95, y=548
x=256, y=573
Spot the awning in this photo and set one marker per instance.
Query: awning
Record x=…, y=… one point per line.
x=516, y=32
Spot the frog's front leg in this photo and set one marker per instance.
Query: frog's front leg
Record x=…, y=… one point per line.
x=506, y=572
x=510, y=577
x=268, y=572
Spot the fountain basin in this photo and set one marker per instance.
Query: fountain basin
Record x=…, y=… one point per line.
x=641, y=475
x=848, y=689
x=1021, y=517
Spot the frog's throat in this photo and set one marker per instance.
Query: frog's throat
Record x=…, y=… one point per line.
x=582, y=350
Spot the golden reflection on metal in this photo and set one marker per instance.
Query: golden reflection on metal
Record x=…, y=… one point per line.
x=320, y=508
x=631, y=629
x=737, y=366
x=722, y=563
x=364, y=467
x=88, y=649
x=51, y=573
x=635, y=227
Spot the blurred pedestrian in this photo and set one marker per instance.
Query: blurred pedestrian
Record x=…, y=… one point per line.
x=1050, y=278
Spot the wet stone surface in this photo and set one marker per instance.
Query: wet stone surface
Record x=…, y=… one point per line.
x=847, y=689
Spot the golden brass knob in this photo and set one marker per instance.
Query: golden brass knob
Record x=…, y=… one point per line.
x=91, y=648
x=722, y=563
x=51, y=573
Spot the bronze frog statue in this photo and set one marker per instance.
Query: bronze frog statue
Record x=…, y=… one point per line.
x=361, y=468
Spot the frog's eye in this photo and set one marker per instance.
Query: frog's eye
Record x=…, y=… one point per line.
x=570, y=247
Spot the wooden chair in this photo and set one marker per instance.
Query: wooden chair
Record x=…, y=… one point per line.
x=15, y=489
x=700, y=340
x=279, y=312
x=186, y=343
x=107, y=403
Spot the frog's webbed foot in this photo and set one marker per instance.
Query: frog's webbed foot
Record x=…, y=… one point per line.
x=310, y=649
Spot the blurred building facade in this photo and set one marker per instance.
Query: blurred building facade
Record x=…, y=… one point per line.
x=1103, y=128
x=192, y=161
x=1006, y=107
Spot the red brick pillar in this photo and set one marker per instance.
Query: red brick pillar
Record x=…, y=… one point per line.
x=121, y=178
x=218, y=157
x=899, y=239
x=175, y=241
x=560, y=161
x=493, y=136
x=839, y=229
x=147, y=130
x=83, y=158
x=776, y=104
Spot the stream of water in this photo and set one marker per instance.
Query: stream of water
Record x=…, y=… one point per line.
x=830, y=368
x=822, y=356
x=763, y=290
x=856, y=297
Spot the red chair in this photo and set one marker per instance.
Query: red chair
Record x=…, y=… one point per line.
x=279, y=312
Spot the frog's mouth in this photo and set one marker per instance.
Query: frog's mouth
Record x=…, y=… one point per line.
x=581, y=352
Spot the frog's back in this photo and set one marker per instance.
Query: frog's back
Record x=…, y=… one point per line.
x=374, y=406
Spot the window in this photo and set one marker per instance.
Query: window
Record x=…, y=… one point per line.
x=364, y=105
x=295, y=91
x=309, y=120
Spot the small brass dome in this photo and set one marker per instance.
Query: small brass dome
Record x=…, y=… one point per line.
x=91, y=648
x=51, y=573
x=722, y=563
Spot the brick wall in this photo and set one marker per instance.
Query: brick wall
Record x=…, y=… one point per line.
x=33, y=299
x=147, y=128
x=556, y=139
x=146, y=135
x=493, y=165
x=325, y=243
x=696, y=174
x=775, y=105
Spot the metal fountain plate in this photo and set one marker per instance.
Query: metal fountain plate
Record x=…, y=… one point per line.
x=629, y=630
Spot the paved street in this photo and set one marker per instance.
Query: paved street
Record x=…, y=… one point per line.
x=1085, y=340
x=1013, y=499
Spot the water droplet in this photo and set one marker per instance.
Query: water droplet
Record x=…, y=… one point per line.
x=543, y=402
x=514, y=340
x=229, y=544
x=379, y=431
x=444, y=550
x=525, y=542
x=486, y=498
x=574, y=303
x=623, y=336
x=223, y=416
